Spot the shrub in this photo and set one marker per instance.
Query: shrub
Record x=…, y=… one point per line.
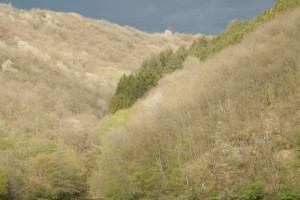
x=254, y=191
x=120, y=194
x=286, y=194
x=191, y=192
x=146, y=180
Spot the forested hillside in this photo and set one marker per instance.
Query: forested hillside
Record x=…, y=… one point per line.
x=58, y=72
x=219, y=116
x=225, y=127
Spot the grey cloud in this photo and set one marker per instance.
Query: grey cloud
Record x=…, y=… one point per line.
x=198, y=16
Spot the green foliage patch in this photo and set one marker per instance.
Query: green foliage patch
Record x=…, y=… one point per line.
x=191, y=192
x=254, y=191
x=116, y=119
x=286, y=194
x=3, y=183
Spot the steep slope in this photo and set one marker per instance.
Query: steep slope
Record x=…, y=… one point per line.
x=166, y=62
x=57, y=73
x=225, y=128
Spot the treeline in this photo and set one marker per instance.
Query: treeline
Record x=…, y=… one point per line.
x=134, y=86
x=131, y=87
x=236, y=30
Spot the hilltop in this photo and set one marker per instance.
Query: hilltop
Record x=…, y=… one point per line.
x=93, y=52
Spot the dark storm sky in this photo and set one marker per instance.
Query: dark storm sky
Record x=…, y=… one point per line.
x=197, y=16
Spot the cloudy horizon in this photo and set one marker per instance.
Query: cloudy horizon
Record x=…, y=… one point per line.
x=195, y=16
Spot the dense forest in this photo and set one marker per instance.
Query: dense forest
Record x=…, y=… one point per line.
x=202, y=118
